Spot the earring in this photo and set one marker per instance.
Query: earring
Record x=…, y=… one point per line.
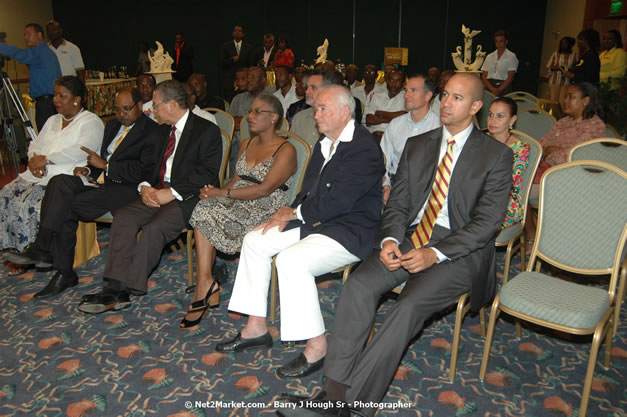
x=75, y=103
x=511, y=127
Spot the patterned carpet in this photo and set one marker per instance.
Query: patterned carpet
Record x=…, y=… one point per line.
x=55, y=361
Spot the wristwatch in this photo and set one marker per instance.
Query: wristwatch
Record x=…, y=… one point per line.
x=228, y=193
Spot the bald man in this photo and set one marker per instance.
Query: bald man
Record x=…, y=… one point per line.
x=456, y=256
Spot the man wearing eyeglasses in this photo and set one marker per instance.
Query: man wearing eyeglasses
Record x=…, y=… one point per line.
x=108, y=182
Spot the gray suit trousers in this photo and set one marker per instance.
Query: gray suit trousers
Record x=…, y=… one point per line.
x=368, y=370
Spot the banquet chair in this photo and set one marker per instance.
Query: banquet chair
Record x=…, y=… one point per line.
x=224, y=120
x=611, y=132
x=573, y=236
x=515, y=95
x=482, y=114
x=244, y=131
x=535, y=122
x=189, y=241
x=524, y=103
x=612, y=151
x=514, y=237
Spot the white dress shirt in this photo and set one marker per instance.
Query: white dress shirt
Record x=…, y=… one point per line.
x=287, y=100
x=382, y=101
x=498, y=69
x=69, y=56
x=360, y=93
x=395, y=136
x=443, y=219
x=204, y=114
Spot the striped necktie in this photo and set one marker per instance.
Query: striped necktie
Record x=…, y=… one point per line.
x=169, y=150
x=100, y=179
x=439, y=190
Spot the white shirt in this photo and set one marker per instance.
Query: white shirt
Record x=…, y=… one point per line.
x=266, y=56
x=382, y=101
x=180, y=125
x=498, y=69
x=69, y=56
x=147, y=109
x=204, y=114
x=435, y=105
x=62, y=146
x=287, y=100
x=360, y=92
x=328, y=152
x=397, y=133
x=238, y=46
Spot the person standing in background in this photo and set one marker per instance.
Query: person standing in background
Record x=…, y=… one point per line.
x=235, y=54
x=44, y=69
x=613, y=59
x=68, y=54
x=500, y=66
x=561, y=59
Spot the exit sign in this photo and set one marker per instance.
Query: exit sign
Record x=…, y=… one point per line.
x=616, y=7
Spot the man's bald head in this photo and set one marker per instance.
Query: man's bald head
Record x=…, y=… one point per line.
x=475, y=84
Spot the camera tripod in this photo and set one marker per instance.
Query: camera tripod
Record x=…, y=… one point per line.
x=8, y=100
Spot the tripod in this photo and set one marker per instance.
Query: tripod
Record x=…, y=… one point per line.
x=9, y=99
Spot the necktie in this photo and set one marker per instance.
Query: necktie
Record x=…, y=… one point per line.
x=169, y=150
x=439, y=190
x=119, y=140
x=237, y=48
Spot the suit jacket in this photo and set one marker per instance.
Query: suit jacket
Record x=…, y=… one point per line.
x=227, y=53
x=477, y=199
x=259, y=54
x=343, y=200
x=196, y=161
x=184, y=68
x=131, y=162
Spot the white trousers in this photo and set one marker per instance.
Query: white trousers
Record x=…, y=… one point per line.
x=298, y=263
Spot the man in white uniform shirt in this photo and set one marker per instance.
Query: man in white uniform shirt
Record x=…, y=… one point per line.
x=146, y=84
x=420, y=119
x=500, y=66
x=286, y=91
x=387, y=105
x=68, y=54
x=370, y=87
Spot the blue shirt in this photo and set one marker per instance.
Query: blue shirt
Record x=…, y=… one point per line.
x=42, y=63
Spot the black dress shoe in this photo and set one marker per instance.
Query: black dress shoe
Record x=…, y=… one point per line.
x=106, y=300
x=299, y=367
x=239, y=343
x=57, y=284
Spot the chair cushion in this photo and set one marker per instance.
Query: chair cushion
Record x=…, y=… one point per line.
x=508, y=233
x=555, y=300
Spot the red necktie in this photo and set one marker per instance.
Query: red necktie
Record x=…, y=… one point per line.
x=169, y=149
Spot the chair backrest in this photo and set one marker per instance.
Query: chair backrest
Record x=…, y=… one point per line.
x=535, y=155
x=224, y=120
x=227, y=105
x=535, y=122
x=582, y=221
x=226, y=152
x=482, y=114
x=612, y=151
x=515, y=95
x=303, y=153
x=244, y=130
x=524, y=103
x=611, y=132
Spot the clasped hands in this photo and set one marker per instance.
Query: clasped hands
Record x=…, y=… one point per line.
x=279, y=219
x=37, y=165
x=209, y=191
x=413, y=261
x=153, y=197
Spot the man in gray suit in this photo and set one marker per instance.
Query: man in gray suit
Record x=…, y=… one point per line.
x=458, y=254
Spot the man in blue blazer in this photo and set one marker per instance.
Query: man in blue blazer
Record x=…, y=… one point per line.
x=457, y=257
x=331, y=223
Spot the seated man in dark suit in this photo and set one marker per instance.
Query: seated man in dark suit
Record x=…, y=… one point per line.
x=331, y=223
x=187, y=158
x=436, y=238
x=126, y=156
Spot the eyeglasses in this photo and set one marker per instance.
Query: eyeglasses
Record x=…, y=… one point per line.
x=155, y=105
x=125, y=109
x=259, y=111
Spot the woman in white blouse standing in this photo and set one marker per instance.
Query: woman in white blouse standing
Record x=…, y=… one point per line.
x=499, y=67
x=55, y=151
x=561, y=61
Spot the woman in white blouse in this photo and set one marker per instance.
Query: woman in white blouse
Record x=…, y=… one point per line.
x=561, y=61
x=55, y=151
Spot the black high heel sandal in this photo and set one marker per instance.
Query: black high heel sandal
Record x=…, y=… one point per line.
x=210, y=301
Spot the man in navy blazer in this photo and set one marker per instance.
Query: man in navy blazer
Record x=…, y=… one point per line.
x=126, y=156
x=459, y=256
x=187, y=157
x=331, y=223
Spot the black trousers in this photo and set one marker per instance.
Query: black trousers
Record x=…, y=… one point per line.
x=65, y=202
x=44, y=108
x=130, y=260
x=368, y=370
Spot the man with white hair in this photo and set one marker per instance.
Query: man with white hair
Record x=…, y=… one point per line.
x=331, y=223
